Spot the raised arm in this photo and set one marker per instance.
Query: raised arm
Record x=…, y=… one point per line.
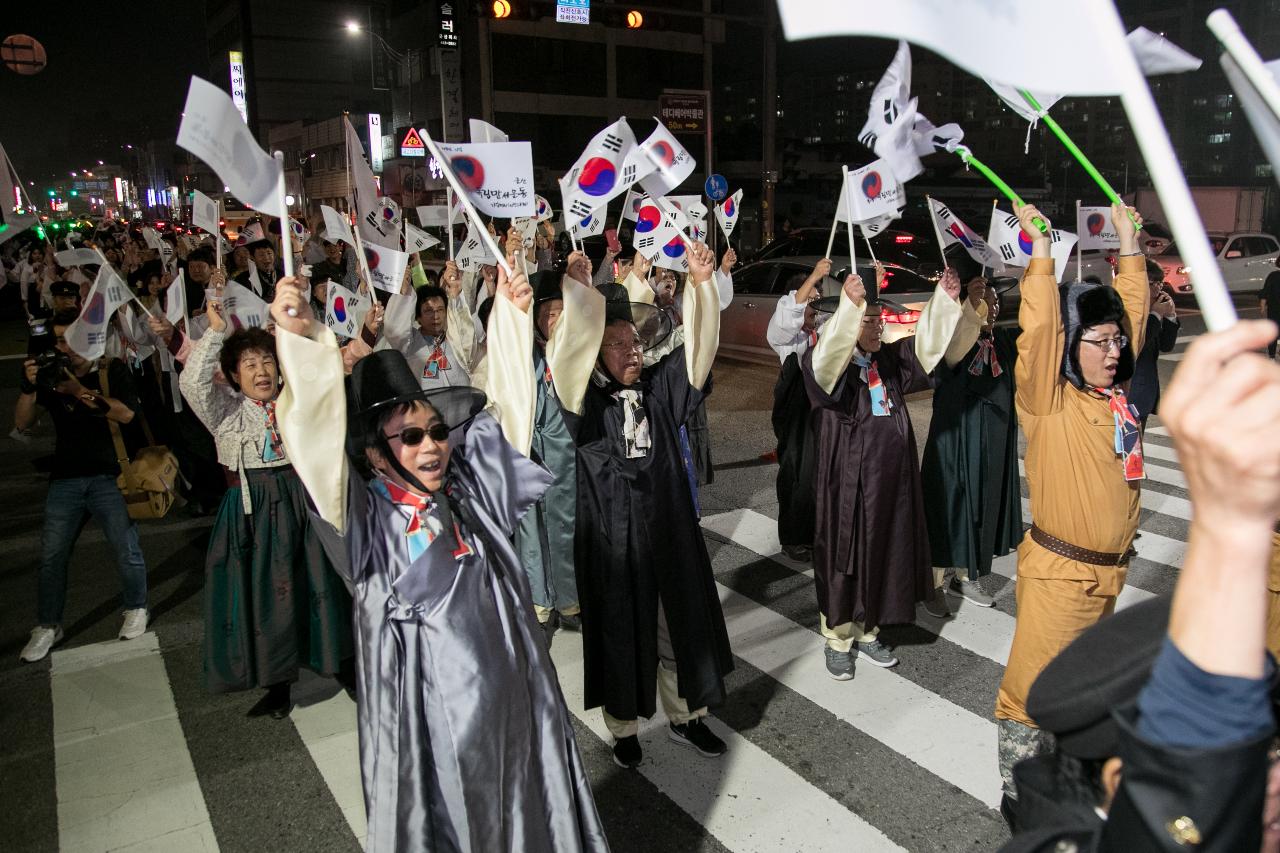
x=1038, y=372
x=510, y=383
x=312, y=406
x=1131, y=276
x=575, y=342
x=724, y=277
x=211, y=401
x=839, y=336
x=939, y=321
x=701, y=312
x=972, y=319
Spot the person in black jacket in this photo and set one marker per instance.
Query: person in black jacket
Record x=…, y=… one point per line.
x=1162, y=336
x=1177, y=759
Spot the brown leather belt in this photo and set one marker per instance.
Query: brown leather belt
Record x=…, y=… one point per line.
x=1080, y=555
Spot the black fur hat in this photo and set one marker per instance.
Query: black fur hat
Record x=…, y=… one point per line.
x=1084, y=305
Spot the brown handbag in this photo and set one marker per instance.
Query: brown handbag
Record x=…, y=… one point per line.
x=149, y=482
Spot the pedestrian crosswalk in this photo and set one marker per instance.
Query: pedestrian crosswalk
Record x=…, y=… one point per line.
x=900, y=759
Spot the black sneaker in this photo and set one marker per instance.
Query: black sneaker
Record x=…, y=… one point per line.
x=549, y=627
x=799, y=553
x=571, y=622
x=626, y=753
x=696, y=734
x=276, y=703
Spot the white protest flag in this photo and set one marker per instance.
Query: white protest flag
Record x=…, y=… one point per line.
x=482, y=131
x=175, y=300
x=872, y=227
x=931, y=139
x=79, y=257
x=364, y=191
x=431, y=215
x=204, y=212
x=336, y=226
x=690, y=205
x=135, y=335
x=896, y=146
x=1259, y=108
x=661, y=162
x=1095, y=229
x=727, y=214
x=544, y=209
x=497, y=176
x=416, y=240
x=472, y=252
x=889, y=97
x=876, y=193
x=344, y=310
x=673, y=256
x=386, y=267
x=1038, y=45
x=952, y=230
x=1013, y=245
x=1014, y=101
x=1157, y=55
x=589, y=226
x=87, y=336
x=631, y=204
x=528, y=228
x=213, y=130
x=656, y=231
x=250, y=233
x=299, y=232
x=602, y=172
x=242, y=308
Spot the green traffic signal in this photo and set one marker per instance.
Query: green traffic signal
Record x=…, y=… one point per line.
x=50, y=192
x=75, y=193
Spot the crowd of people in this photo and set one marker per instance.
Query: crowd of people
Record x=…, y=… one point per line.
x=415, y=511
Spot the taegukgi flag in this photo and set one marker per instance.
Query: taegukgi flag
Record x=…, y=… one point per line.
x=364, y=189
x=213, y=130
x=417, y=240
x=243, y=308
x=953, y=231
x=336, y=226
x=1014, y=245
x=660, y=162
x=345, y=310
x=1036, y=45
x=599, y=174
x=632, y=203
x=175, y=300
x=79, y=257
x=589, y=226
x=482, y=131
x=497, y=176
x=472, y=252
x=656, y=233
x=87, y=336
x=544, y=209
x=204, y=212
x=875, y=192
x=1095, y=228
x=727, y=213
x=386, y=267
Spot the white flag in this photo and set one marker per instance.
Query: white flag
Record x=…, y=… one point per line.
x=384, y=218
x=589, y=226
x=87, y=336
x=875, y=191
x=430, y=215
x=175, y=300
x=602, y=172
x=896, y=146
x=528, y=228
x=345, y=310
x=1013, y=245
x=931, y=139
x=471, y=252
x=482, y=131
x=631, y=204
x=1157, y=55
x=1014, y=101
x=386, y=267
x=727, y=214
x=336, y=226
x=416, y=240
x=79, y=257
x=889, y=97
x=1263, y=120
x=953, y=230
x=204, y=212
x=662, y=163
x=1041, y=46
x=242, y=308
x=1095, y=228
x=497, y=176
x=213, y=130
x=544, y=209
x=656, y=233
x=872, y=227
x=364, y=188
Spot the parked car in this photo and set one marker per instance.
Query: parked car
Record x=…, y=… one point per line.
x=757, y=287
x=892, y=246
x=1245, y=261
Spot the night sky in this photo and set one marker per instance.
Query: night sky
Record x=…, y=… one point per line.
x=117, y=74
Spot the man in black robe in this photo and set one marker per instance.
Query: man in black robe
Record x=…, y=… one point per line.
x=973, y=506
x=644, y=576
x=871, y=549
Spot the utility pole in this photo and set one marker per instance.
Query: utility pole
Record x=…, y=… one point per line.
x=769, y=122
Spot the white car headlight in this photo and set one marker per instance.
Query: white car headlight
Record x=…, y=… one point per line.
x=1183, y=270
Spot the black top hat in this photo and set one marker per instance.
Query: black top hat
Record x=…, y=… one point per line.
x=546, y=286
x=385, y=379
x=64, y=288
x=652, y=324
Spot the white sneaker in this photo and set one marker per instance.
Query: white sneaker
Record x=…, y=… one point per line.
x=42, y=639
x=135, y=623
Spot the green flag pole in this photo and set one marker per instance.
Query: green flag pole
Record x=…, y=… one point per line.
x=969, y=160
x=1075, y=151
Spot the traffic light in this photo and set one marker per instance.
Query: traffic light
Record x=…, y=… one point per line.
x=50, y=193
x=635, y=20
x=501, y=9
x=75, y=193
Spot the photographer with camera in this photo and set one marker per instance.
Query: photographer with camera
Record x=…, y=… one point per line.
x=83, y=480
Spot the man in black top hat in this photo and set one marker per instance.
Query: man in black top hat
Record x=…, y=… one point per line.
x=65, y=296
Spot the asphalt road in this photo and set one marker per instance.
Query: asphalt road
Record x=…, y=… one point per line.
x=110, y=744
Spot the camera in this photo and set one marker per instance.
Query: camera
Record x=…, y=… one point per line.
x=51, y=368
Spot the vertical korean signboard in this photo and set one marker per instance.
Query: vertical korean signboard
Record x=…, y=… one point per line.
x=238, y=84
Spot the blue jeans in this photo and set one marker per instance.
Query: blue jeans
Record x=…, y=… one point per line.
x=69, y=504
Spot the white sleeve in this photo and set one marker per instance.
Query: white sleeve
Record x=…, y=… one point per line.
x=786, y=323
x=724, y=286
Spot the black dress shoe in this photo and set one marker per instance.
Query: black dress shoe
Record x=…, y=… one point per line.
x=276, y=703
x=571, y=623
x=799, y=553
x=626, y=753
x=549, y=627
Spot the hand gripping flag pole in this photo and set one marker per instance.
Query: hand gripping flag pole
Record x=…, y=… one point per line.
x=447, y=169
x=969, y=160
x=1075, y=151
